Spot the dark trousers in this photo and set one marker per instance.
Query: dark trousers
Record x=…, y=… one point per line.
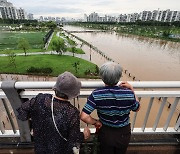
x=105, y=149
x=114, y=140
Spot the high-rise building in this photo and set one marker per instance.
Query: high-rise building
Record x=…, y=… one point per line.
x=8, y=11
x=93, y=17
x=156, y=15
x=0, y=15
x=85, y=18
x=30, y=16
x=21, y=14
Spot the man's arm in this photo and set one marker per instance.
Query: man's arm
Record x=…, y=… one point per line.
x=89, y=120
x=129, y=86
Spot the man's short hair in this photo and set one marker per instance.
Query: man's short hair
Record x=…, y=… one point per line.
x=110, y=73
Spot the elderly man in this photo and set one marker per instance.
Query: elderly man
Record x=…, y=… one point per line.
x=113, y=104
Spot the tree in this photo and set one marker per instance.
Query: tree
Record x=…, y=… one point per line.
x=73, y=49
x=23, y=44
x=58, y=45
x=11, y=56
x=75, y=65
x=51, y=24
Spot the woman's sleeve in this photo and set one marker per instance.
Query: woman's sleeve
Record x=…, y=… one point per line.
x=75, y=137
x=25, y=109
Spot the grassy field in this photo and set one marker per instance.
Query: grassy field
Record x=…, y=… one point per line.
x=57, y=63
x=9, y=40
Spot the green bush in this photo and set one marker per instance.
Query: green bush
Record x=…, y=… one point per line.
x=34, y=70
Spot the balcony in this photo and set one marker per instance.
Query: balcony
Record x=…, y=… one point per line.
x=155, y=128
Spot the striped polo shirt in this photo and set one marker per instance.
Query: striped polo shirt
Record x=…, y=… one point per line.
x=113, y=105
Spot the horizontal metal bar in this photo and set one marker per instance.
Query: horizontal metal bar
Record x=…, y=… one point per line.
x=170, y=130
x=95, y=84
x=10, y=133
x=31, y=93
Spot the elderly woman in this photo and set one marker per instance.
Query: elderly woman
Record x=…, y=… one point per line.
x=113, y=104
x=55, y=122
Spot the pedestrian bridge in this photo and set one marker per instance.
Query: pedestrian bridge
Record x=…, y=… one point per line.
x=157, y=122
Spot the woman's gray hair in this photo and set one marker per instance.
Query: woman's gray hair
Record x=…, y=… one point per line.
x=110, y=73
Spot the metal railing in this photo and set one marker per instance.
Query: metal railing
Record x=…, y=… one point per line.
x=160, y=99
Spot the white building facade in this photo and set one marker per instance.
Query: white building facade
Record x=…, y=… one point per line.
x=155, y=15
x=8, y=11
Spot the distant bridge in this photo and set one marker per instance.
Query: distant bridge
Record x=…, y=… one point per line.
x=87, y=31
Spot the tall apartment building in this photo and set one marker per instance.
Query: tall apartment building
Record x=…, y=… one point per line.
x=93, y=17
x=21, y=14
x=30, y=16
x=8, y=11
x=156, y=15
x=85, y=18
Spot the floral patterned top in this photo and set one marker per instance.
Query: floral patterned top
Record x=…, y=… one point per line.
x=46, y=138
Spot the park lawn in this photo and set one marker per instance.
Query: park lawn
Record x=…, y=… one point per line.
x=9, y=40
x=57, y=63
x=77, y=50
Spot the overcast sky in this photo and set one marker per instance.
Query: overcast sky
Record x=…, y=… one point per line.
x=77, y=8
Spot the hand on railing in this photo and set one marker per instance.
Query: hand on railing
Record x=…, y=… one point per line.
x=86, y=133
x=126, y=85
x=129, y=86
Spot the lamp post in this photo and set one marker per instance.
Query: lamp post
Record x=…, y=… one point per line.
x=90, y=52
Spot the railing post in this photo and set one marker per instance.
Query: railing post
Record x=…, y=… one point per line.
x=171, y=113
x=147, y=113
x=177, y=126
x=15, y=101
x=2, y=127
x=159, y=113
x=9, y=115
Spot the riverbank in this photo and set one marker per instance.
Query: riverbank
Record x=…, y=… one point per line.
x=154, y=30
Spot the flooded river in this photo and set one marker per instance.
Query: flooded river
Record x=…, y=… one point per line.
x=146, y=58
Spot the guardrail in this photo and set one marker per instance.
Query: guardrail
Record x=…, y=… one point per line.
x=163, y=96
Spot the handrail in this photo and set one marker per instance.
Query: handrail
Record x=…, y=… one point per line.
x=16, y=91
x=95, y=84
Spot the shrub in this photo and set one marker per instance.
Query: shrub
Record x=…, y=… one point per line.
x=34, y=70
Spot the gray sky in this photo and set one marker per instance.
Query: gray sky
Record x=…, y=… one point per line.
x=77, y=8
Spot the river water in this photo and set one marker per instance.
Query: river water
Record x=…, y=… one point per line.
x=146, y=58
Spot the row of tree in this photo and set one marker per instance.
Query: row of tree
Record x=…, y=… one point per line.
x=29, y=23
x=138, y=22
x=19, y=21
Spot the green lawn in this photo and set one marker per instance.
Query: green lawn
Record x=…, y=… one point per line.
x=57, y=63
x=77, y=50
x=9, y=40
